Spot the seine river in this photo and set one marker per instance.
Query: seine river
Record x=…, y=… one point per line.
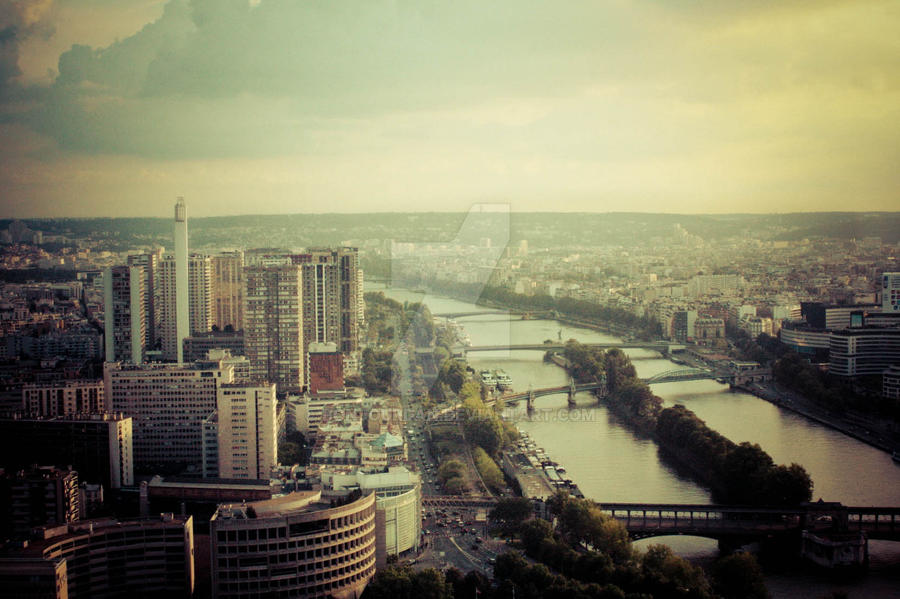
x=611, y=463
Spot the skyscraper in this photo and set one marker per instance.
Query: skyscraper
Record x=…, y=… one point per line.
x=227, y=290
x=149, y=261
x=199, y=302
x=200, y=294
x=124, y=316
x=273, y=325
x=182, y=310
x=332, y=290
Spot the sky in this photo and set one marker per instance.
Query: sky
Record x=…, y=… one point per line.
x=116, y=107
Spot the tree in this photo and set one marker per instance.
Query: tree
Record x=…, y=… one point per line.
x=456, y=486
x=509, y=513
x=738, y=576
x=665, y=574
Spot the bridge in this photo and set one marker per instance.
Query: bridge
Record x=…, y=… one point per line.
x=661, y=346
x=829, y=534
x=669, y=376
x=644, y=520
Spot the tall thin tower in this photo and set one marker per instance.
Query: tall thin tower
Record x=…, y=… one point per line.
x=182, y=309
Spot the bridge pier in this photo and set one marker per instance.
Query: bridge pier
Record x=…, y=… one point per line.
x=529, y=402
x=571, y=401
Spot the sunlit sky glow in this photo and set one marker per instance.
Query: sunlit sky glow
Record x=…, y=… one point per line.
x=115, y=107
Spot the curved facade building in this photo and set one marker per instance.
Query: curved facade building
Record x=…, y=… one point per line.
x=293, y=546
x=864, y=351
x=399, y=519
x=807, y=341
x=106, y=559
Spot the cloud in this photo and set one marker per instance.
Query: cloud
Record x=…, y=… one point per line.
x=498, y=99
x=19, y=19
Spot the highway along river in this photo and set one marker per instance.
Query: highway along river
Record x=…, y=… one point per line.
x=611, y=463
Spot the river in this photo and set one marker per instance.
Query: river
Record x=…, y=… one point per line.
x=611, y=463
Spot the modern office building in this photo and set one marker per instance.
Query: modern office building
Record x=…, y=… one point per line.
x=169, y=403
x=825, y=316
x=246, y=431
x=124, y=317
x=106, y=559
x=228, y=290
x=298, y=545
x=97, y=446
x=273, y=325
x=398, y=506
x=863, y=351
x=890, y=292
x=810, y=342
x=63, y=398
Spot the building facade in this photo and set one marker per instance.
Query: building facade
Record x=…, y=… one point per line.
x=863, y=351
x=98, y=446
x=273, y=325
x=890, y=292
x=398, y=507
x=293, y=546
x=124, y=317
x=106, y=559
x=42, y=496
x=228, y=290
x=63, y=398
x=149, y=263
x=169, y=403
x=246, y=431
x=326, y=368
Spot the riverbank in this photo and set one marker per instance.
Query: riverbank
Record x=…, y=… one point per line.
x=800, y=405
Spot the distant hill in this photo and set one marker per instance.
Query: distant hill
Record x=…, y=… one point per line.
x=541, y=229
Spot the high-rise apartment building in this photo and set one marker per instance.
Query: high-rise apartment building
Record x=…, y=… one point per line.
x=228, y=290
x=273, y=325
x=200, y=295
x=332, y=291
x=199, y=302
x=124, y=317
x=149, y=262
x=246, y=431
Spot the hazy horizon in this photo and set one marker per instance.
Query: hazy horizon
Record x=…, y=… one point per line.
x=113, y=108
